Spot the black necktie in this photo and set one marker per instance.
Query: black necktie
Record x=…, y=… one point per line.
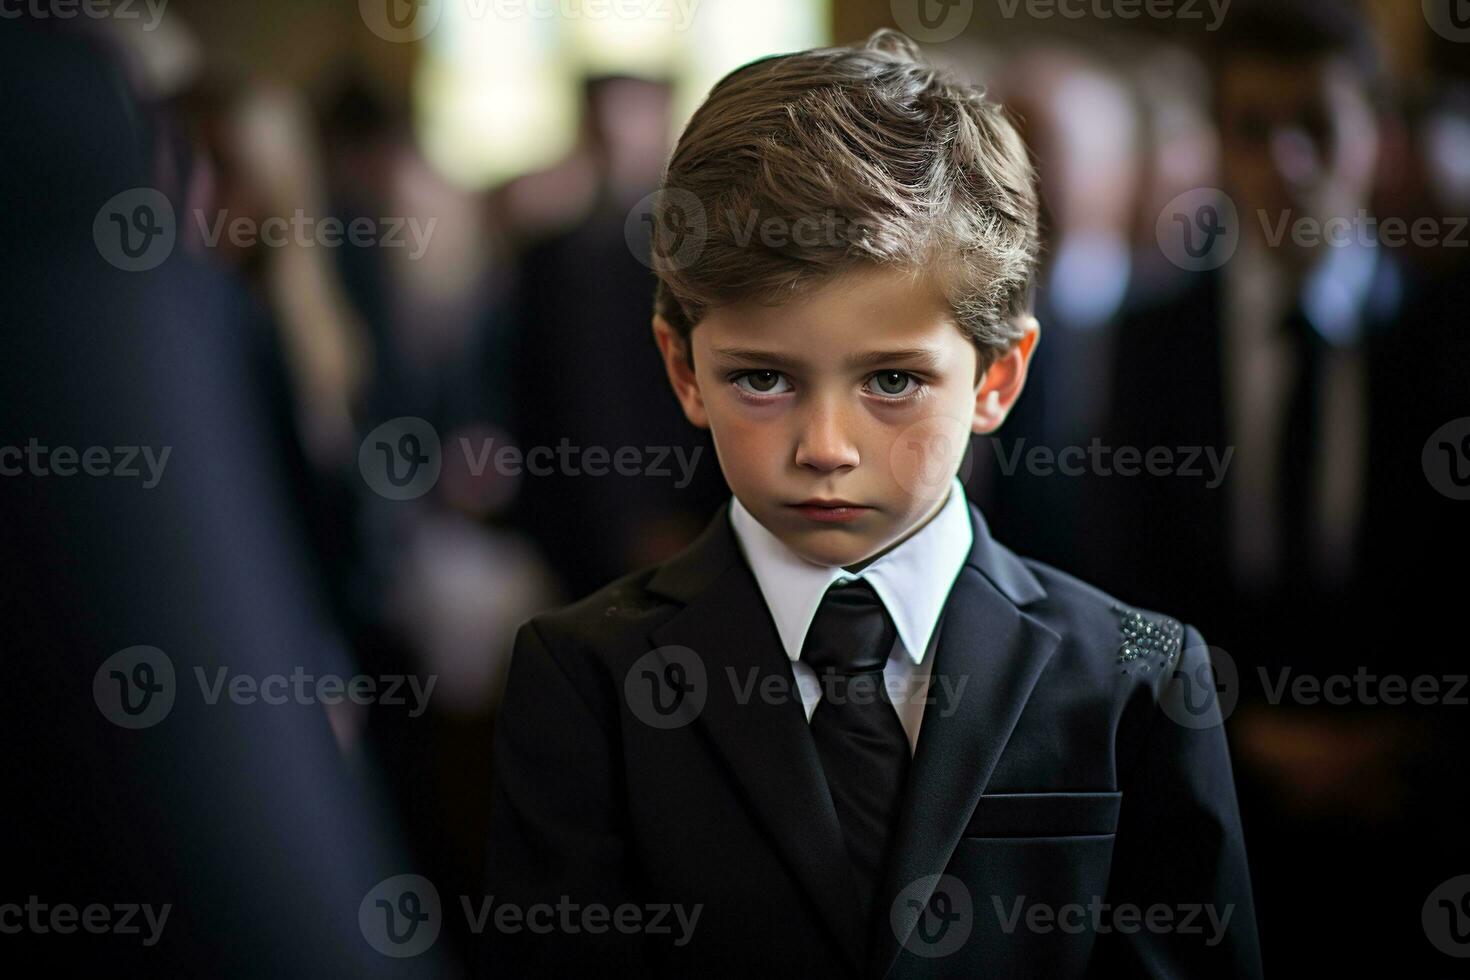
x=1297, y=463
x=864, y=751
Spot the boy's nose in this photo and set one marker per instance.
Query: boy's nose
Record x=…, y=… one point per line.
x=823, y=444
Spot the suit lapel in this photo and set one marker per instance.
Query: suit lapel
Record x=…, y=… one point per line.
x=999, y=652
x=767, y=744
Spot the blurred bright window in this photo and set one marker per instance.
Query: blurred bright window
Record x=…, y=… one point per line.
x=497, y=92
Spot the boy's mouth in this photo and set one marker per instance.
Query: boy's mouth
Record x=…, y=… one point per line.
x=830, y=510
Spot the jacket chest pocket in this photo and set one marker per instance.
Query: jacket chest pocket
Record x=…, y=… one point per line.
x=1045, y=815
x=1031, y=864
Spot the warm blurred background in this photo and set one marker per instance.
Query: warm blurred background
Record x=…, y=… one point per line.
x=498, y=164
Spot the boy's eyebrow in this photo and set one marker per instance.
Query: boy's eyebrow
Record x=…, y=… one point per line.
x=878, y=358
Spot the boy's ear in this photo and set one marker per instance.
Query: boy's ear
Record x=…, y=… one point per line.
x=672, y=348
x=1002, y=383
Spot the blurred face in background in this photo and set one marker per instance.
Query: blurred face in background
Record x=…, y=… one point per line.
x=1298, y=139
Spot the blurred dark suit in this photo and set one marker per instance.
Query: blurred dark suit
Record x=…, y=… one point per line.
x=1169, y=540
x=1322, y=785
x=244, y=818
x=586, y=370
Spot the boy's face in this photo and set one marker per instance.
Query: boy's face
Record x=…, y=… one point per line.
x=862, y=393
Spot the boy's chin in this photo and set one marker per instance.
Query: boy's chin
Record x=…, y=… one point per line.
x=834, y=546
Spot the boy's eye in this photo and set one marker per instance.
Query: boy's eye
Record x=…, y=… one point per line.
x=893, y=384
x=762, y=382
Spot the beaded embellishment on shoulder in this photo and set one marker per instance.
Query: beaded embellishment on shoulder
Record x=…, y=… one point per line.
x=1147, y=640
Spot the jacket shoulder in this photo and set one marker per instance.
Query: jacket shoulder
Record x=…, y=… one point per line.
x=1104, y=634
x=623, y=611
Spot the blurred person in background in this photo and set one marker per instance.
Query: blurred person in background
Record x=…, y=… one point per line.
x=254, y=160
x=583, y=372
x=1300, y=356
x=438, y=580
x=358, y=334
x=1295, y=90
x=1080, y=119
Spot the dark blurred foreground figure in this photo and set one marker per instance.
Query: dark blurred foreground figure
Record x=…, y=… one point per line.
x=215, y=838
x=1321, y=358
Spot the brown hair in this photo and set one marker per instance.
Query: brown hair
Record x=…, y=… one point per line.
x=900, y=165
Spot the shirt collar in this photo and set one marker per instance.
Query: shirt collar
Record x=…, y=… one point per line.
x=913, y=580
x=1335, y=296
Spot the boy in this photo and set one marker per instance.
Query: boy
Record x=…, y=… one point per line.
x=846, y=733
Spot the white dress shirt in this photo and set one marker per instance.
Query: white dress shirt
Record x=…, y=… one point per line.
x=913, y=582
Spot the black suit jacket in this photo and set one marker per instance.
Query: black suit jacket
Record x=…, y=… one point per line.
x=1053, y=779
